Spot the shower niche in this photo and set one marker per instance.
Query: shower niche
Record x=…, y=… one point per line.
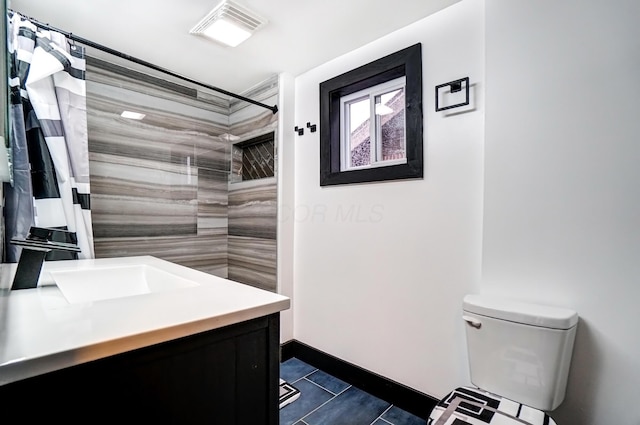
x=253, y=159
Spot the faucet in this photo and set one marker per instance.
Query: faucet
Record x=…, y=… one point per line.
x=38, y=243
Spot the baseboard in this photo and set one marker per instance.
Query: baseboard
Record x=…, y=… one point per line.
x=406, y=398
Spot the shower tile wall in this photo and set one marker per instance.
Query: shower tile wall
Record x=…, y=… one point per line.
x=2, y=281
x=253, y=204
x=159, y=185
x=252, y=234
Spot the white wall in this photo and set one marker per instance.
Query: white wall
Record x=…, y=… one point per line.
x=285, y=154
x=381, y=268
x=562, y=184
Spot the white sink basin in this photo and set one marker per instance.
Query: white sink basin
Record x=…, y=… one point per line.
x=81, y=286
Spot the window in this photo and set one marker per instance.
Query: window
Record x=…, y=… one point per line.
x=367, y=142
x=371, y=121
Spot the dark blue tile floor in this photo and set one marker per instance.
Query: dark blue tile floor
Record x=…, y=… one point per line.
x=326, y=400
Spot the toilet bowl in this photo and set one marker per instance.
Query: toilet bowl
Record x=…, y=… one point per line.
x=519, y=356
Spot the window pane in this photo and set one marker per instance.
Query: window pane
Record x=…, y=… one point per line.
x=390, y=125
x=359, y=133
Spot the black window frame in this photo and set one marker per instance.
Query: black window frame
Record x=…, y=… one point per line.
x=406, y=62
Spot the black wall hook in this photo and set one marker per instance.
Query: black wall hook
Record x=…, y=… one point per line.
x=300, y=130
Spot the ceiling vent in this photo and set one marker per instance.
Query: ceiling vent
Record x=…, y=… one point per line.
x=229, y=23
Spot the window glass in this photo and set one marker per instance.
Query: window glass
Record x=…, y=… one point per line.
x=390, y=123
x=359, y=133
x=378, y=142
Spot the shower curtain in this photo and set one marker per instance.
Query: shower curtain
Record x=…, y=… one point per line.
x=48, y=136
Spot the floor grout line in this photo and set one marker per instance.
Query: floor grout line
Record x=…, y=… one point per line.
x=308, y=413
x=325, y=403
x=382, y=414
x=301, y=420
x=324, y=388
x=303, y=377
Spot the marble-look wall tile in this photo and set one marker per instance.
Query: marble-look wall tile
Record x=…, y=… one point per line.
x=265, y=92
x=253, y=209
x=248, y=127
x=253, y=261
x=2, y=286
x=246, y=120
x=214, y=155
x=169, y=131
x=138, y=78
x=213, y=200
x=253, y=204
x=236, y=164
x=134, y=171
x=205, y=253
x=159, y=185
x=141, y=197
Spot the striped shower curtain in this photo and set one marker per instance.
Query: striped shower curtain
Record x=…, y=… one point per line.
x=48, y=136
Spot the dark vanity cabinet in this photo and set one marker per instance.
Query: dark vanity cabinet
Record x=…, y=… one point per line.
x=224, y=376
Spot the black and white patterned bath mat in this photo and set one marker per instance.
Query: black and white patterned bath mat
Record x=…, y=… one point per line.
x=471, y=406
x=288, y=393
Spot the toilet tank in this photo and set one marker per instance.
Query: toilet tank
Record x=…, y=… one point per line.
x=518, y=350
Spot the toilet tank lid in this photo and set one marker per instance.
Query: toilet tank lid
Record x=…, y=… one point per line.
x=520, y=312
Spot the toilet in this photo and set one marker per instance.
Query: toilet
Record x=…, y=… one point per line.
x=519, y=356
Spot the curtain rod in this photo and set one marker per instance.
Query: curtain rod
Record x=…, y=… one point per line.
x=119, y=54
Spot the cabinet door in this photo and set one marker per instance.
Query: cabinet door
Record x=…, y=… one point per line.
x=252, y=383
x=227, y=376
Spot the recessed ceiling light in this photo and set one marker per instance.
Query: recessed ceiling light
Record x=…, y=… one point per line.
x=227, y=32
x=132, y=115
x=229, y=23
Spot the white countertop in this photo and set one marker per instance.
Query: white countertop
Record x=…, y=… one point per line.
x=40, y=331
